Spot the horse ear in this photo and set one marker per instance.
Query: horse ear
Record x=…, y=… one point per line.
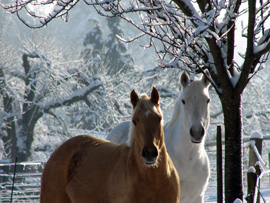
x=155, y=96
x=134, y=98
x=184, y=79
x=205, y=79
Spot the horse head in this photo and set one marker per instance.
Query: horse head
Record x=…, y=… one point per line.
x=148, y=136
x=194, y=102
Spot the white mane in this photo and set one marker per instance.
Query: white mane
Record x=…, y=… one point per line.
x=176, y=112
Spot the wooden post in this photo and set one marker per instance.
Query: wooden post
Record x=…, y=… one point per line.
x=269, y=164
x=251, y=180
x=257, y=137
x=219, y=166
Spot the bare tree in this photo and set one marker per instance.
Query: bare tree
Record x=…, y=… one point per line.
x=194, y=36
x=37, y=87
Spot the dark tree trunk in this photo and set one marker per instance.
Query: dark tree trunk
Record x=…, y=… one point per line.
x=233, y=147
x=26, y=138
x=26, y=133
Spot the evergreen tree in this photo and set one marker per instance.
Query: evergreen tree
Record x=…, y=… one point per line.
x=106, y=56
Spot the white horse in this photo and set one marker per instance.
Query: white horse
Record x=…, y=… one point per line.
x=184, y=137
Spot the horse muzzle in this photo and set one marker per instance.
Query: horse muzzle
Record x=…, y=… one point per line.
x=197, y=134
x=150, y=155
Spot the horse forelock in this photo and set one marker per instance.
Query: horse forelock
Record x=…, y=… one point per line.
x=146, y=106
x=196, y=87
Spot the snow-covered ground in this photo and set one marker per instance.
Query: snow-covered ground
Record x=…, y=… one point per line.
x=33, y=179
x=211, y=193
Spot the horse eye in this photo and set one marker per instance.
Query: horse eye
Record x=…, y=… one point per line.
x=183, y=101
x=208, y=100
x=159, y=119
x=134, y=122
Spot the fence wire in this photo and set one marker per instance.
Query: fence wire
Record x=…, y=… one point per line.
x=28, y=175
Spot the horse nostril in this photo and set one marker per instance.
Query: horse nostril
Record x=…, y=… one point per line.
x=191, y=132
x=197, y=134
x=155, y=152
x=149, y=152
x=197, y=131
x=144, y=153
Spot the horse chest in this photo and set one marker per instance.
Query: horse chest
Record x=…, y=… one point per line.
x=158, y=193
x=190, y=162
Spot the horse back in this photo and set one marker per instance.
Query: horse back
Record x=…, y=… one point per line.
x=63, y=165
x=86, y=168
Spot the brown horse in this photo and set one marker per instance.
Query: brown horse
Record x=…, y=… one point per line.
x=88, y=169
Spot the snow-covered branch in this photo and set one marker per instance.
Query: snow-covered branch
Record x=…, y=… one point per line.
x=78, y=95
x=189, y=33
x=41, y=11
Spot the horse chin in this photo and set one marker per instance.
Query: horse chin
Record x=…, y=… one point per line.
x=196, y=141
x=151, y=163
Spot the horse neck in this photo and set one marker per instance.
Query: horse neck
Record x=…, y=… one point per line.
x=175, y=125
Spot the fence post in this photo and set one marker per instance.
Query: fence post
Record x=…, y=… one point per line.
x=251, y=181
x=258, y=138
x=269, y=164
x=219, y=166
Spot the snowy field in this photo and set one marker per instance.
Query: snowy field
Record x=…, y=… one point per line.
x=211, y=193
x=32, y=180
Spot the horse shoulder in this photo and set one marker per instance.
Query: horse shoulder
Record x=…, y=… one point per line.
x=101, y=169
x=56, y=173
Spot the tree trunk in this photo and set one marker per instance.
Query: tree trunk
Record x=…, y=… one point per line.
x=24, y=144
x=26, y=133
x=233, y=147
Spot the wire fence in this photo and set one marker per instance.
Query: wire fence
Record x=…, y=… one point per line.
x=26, y=187
x=23, y=185
x=263, y=188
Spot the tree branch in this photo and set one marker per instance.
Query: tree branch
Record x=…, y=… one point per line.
x=77, y=96
x=61, y=8
x=187, y=7
x=249, y=58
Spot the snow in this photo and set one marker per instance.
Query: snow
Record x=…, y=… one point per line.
x=237, y=201
x=251, y=170
x=79, y=27
x=210, y=195
x=262, y=44
x=257, y=135
x=235, y=78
